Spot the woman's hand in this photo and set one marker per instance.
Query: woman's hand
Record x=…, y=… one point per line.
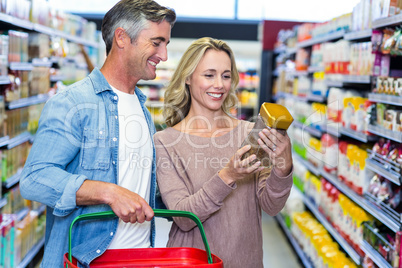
x=277, y=145
x=238, y=169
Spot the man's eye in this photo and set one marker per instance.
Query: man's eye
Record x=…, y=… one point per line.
x=156, y=44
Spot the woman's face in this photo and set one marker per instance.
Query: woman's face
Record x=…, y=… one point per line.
x=211, y=80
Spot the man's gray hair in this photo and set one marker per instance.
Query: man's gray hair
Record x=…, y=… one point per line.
x=133, y=16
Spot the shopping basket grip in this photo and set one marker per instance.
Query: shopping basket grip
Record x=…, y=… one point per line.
x=157, y=213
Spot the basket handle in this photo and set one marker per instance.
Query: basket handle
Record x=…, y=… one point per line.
x=157, y=213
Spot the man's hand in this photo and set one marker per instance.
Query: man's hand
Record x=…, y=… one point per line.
x=127, y=205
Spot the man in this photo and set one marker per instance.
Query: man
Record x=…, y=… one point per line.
x=93, y=150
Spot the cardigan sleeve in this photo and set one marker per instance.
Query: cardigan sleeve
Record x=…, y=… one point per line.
x=273, y=191
x=177, y=191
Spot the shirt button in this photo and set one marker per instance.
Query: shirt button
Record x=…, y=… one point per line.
x=115, y=97
x=114, y=163
x=98, y=251
x=111, y=234
x=101, y=132
x=115, y=116
x=114, y=139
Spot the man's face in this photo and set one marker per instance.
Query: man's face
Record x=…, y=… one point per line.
x=148, y=50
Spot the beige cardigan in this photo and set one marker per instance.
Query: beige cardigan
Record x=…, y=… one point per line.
x=187, y=175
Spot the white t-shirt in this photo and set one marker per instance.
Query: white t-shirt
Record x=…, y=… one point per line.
x=135, y=167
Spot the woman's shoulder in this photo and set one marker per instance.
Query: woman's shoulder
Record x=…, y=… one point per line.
x=166, y=135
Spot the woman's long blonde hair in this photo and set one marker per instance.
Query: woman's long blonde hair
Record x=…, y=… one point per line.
x=177, y=95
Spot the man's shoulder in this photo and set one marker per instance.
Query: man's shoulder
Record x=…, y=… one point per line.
x=80, y=91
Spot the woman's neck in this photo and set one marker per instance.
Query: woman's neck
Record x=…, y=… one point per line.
x=207, y=126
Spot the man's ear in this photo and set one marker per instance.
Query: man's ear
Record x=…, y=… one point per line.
x=120, y=37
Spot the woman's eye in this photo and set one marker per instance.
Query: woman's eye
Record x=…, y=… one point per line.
x=226, y=76
x=209, y=75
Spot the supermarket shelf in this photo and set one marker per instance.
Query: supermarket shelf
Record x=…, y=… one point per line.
x=22, y=213
x=307, y=164
x=313, y=131
x=388, y=21
x=358, y=35
x=41, y=209
x=31, y=254
x=56, y=78
x=293, y=242
x=159, y=83
x=383, y=98
x=334, y=233
x=374, y=255
x=154, y=104
x=357, y=135
x=42, y=62
x=334, y=83
x=23, y=137
x=389, y=175
x=392, y=135
x=3, y=202
x=16, y=21
x=4, y=141
x=27, y=101
x=4, y=80
x=361, y=201
x=357, y=79
x=20, y=66
x=316, y=98
x=299, y=73
x=348, y=79
x=332, y=130
x=329, y=37
x=13, y=180
x=280, y=49
x=27, y=25
x=291, y=51
x=309, y=97
x=314, y=69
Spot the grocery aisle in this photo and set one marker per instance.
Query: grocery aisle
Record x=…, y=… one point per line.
x=277, y=250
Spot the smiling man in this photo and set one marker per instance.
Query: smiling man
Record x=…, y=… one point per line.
x=81, y=160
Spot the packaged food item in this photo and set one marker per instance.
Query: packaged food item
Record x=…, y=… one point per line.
x=271, y=115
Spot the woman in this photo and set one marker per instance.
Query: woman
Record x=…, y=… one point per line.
x=199, y=161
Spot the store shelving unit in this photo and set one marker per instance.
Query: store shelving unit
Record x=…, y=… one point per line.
x=6, y=142
x=374, y=255
x=27, y=25
x=312, y=130
x=362, y=82
x=358, y=35
x=394, y=225
x=31, y=254
x=318, y=40
x=380, y=170
x=300, y=253
x=388, y=21
x=387, y=99
x=334, y=233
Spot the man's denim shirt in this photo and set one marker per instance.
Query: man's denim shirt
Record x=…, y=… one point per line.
x=77, y=140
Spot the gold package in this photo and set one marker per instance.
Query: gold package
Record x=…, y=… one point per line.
x=271, y=115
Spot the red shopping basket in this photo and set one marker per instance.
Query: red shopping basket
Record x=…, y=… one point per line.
x=149, y=257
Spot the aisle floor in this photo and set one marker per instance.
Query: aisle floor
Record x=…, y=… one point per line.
x=278, y=252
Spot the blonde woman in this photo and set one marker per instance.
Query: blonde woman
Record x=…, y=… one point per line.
x=199, y=166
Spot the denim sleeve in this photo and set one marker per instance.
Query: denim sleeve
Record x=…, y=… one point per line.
x=57, y=143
